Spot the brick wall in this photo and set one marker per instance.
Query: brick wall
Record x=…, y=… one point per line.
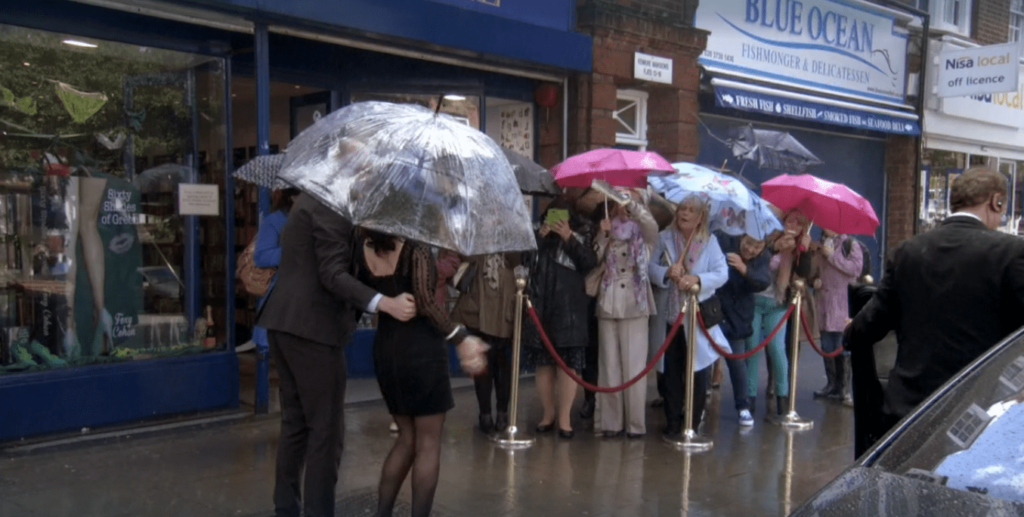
x=619, y=32
x=900, y=163
x=990, y=22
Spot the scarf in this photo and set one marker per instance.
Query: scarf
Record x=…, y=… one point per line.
x=628, y=231
x=675, y=297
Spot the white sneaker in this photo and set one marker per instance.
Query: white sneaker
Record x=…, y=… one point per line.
x=245, y=347
x=746, y=419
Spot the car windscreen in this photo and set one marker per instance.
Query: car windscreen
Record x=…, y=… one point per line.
x=972, y=436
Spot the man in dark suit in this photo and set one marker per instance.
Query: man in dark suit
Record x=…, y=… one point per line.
x=309, y=316
x=949, y=294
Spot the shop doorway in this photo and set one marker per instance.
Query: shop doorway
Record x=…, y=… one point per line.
x=293, y=108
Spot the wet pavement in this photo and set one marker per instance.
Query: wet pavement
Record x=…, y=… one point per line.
x=227, y=469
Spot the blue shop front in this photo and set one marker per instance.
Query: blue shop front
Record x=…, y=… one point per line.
x=816, y=86
x=120, y=126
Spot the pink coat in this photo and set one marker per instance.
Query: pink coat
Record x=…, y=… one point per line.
x=836, y=273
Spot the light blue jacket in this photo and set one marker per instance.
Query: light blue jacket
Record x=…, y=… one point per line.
x=713, y=271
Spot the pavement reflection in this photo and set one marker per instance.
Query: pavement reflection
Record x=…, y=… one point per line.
x=229, y=470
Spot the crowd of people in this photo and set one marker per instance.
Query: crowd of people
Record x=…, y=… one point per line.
x=606, y=288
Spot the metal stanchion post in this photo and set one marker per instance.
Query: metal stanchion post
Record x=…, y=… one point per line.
x=792, y=420
x=690, y=440
x=511, y=439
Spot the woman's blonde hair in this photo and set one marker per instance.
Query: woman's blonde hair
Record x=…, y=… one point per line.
x=702, y=230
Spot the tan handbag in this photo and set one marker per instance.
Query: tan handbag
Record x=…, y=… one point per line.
x=255, y=280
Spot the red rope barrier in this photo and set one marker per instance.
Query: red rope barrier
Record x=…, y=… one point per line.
x=601, y=389
x=758, y=348
x=807, y=331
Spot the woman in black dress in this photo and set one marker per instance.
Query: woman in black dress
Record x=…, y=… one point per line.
x=411, y=362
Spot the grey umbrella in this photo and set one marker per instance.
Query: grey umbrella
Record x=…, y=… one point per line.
x=531, y=176
x=262, y=171
x=408, y=171
x=775, y=150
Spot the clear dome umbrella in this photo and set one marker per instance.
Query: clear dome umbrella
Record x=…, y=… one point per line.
x=410, y=172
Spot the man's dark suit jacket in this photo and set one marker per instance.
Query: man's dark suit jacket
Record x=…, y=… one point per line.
x=950, y=294
x=316, y=297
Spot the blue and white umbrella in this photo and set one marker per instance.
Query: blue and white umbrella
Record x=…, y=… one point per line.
x=734, y=208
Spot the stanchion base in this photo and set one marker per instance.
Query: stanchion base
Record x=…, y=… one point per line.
x=511, y=439
x=794, y=422
x=691, y=442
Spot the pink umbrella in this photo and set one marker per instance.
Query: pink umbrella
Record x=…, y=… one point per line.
x=619, y=167
x=830, y=205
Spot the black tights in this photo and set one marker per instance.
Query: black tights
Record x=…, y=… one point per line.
x=417, y=448
x=497, y=376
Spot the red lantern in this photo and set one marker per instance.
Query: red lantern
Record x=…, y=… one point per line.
x=546, y=95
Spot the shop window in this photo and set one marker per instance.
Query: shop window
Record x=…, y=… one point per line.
x=631, y=119
x=1017, y=21
x=98, y=136
x=948, y=15
x=942, y=168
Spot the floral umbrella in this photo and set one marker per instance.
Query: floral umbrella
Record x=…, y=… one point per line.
x=734, y=208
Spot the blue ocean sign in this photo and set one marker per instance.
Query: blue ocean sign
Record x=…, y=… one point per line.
x=848, y=48
x=848, y=115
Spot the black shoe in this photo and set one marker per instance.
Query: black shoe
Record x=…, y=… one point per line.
x=673, y=430
x=545, y=428
x=634, y=436
x=562, y=433
x=614, y=434
x=501, y=422
x=587, y=411
x=486, y=424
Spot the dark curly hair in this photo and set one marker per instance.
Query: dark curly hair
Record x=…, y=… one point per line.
x=378, y=241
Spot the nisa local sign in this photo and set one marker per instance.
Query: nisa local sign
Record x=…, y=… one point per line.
x=1000, y=109
x=845, y=48
x=977, y=71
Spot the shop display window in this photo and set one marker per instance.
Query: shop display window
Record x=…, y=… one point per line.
x=942, y=167
x=95, y=138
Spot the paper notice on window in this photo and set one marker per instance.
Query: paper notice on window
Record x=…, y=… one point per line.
x=198, y=199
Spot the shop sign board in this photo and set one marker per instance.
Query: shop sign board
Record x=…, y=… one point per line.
x=978, y=71
x=555, y=14
x=652, y=68
x=811, y=111
x=846, y=48
x=1000, y=109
